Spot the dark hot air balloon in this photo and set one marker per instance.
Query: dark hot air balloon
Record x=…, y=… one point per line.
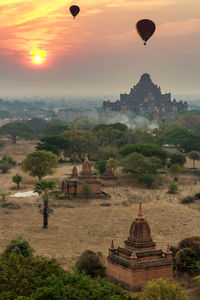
x=74, y=9
x=145, y=29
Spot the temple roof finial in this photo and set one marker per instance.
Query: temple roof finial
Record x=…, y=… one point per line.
x=168, y=249
x=140, y=214
x=86, y=157
x=112, y=245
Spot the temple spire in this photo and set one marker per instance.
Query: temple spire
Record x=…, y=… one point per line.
x=112, y=245
x=168, y=249
x=140, y=214
x=86, y=157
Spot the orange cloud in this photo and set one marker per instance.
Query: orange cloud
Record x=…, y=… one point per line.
x=48, y=25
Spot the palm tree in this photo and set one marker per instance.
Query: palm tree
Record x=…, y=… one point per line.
x=44, y=187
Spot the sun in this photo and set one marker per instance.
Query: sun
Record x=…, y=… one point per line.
x=37, y=60
x=38, y=56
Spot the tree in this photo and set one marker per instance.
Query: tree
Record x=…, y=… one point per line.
x=105, y=153
x=36, y=277
x=175, y=170
x=19, y=246
x=138, y=164
x=148, y=179
x=82, y=141
x=194, y=155
x=44, y=187
x=17, y=179
x=3, y=196
x=40, y=163
x=189, y=121
x=161, y=289
x=172, y=187
x=112, y=162
x=38, y=124
x=148, y=150
x=5, y=166
x=100, y=166
x=90, y=263
x=184, y=139
x=54, y=143
x=81, y=123
x=56, y=129
x=86, y=191
x=17, y=129
x=187, y=256
x=177, y=158
x=6, y=163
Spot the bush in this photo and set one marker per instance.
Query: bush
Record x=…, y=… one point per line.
x=91, y=264
x=177, y=158
x=187, y=256
x=39, y=278
x=197, y=196
x=163, y=290
x=186, y=262
x=148, y=179
x=100, y=166
x=9, y=159
x=5, y=166
x=188, y=199
x=172, y=187
x=19, y=247
x=148, y=150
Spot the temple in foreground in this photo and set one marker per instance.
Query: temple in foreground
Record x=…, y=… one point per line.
x=138, y=261
x=146, y=97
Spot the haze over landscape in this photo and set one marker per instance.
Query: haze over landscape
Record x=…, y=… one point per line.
x=99, y=150
x=100, y=52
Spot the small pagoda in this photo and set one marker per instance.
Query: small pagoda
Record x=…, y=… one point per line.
x=108, y=178
x=74, y=184
x=138, y=261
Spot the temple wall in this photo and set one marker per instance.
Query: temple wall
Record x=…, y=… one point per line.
x=135, y=279
x=95, y=187
x=108, y=182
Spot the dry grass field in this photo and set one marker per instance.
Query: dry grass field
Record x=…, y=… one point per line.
x=75, y=225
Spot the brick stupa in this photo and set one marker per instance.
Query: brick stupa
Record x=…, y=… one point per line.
x=138, y=261
x=74, y=184
x=108, y=178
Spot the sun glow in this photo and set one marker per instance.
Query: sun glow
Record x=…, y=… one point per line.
x=38, y=56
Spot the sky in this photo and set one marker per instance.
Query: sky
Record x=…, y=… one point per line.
x=100, y=52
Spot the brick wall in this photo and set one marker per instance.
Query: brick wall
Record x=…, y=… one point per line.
x=135, y=279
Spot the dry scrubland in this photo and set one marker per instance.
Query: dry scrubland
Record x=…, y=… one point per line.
x=75, y=225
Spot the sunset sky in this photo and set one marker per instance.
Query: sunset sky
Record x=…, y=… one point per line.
x=98, y=53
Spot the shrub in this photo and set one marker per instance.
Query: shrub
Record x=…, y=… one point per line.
x=17, y=179
x=100, y=166
x=178, y=158
x=5, y=166
x=9, y=159
x=197, y=196
x=148, y=179
x=186, y=262
x=91, y=264
x=20, y=247
x=172, y=187
x=188, y=199
x=39, y=278
x=175, y=170
x=163, y=290
x=187, y=256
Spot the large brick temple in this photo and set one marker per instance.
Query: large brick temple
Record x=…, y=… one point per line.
x=146, y=97
x=138, y=261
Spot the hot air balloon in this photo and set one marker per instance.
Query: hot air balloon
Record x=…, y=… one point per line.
x=74, y=9
x=145, y=29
